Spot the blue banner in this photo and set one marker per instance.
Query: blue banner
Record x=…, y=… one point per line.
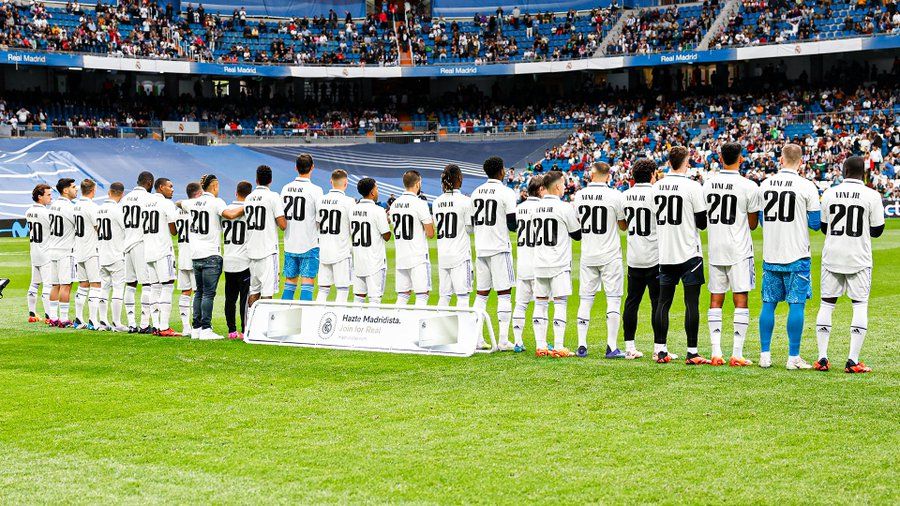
x=41, y=58
x=881, y=42
x=499, y=69
x=468, y=8
x=288, y=8
x=649, y=60
x=240, y=69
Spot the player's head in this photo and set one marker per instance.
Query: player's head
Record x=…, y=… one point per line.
x=66, y=188
x=42, y=194
x=88, y=187
x=451, y=178
x=164, y=187
x=264, y=175
x=644, y=170
x=367, y=189
x=243, y=189
x=304, y=164
x=210, y=183
x=855, y=168
x=791, y=156
x=116, y=191
x=731, y=154
x=193, y=190
x=536, y=186
x=555, y=183
x=678, y=158
x=412, y=181
x=145, y=180
x=599, y=172
x=493, y=167
x=339, y=179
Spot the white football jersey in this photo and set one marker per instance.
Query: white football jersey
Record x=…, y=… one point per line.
x=62, y=229
x=110, y=232
x=205, y=232
x=234, y=233
x=491, y=203
x=334, y=226
x=849, y=209
x=408, y=216
x=182, y=231
x=368, y=223
x=524, y=238
x=133, y=205
x=785, y=199
x=599, y=210
x=552, y=222
x=730, y=197
x=640, y=213
x=85, y=229
x=262, y=208
x=38, y=219
x=158, y=212
x=300, y=199
x=452, y=224
x=677, y=198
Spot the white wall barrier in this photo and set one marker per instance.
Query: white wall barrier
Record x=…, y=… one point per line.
x=432, y=330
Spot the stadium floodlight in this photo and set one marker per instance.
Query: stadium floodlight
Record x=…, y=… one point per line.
x=3, y=283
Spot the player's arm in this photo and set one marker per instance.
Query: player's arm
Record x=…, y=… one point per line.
x=620, y=214
x=277, y=210
x=510, y=203
x=426, y=219
x=234, y=212
x=384, y=226
x=876, y=217
x=699, y=206
x=572, y=223
x=754, y=208
x=813, y=208
x=700, y=219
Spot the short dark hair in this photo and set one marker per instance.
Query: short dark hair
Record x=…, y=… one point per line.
x=338, y=174
x=304, y=163
x=731, y=151
x=410, y=178
x=855, y=167
x=451, y=176
x=244, y=188
x=534, y=186
x=160, y=182
x=145, y=179
x=117, y=188
x=493, y=167
x=552, y=178
x=643, y=170
x=206, y=180
x=365, y=186
x=38, y=191
x=264, y=175
x=677, y=156
x=64, y=183
x=87, y=185
x=192, y=189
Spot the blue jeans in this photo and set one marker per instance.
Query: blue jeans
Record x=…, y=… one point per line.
x=207, y=272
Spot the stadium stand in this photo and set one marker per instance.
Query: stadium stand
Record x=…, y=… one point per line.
x=675, y=28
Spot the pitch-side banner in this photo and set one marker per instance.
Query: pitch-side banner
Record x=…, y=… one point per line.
x=451, y=331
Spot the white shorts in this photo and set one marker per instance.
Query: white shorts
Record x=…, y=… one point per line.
x=112, y=275
x=456, y=280
x=494, y=272
x=557, y=286
x=737, y=278
x=42, y=274
x=136, y=266
x=186, y=280
x=264, y=275
x=372, y=285
x=62, y=271
x=339, y=274
x=89, y=270
x=416, y=279
x=162, y=270
x=609, y=278
x=857, y=285
x=524, y=291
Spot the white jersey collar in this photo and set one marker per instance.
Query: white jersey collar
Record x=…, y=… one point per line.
x=262, y=187
x=533, y=198
x=644, y=185
x=596, y=185
x=302, y=179
x=729, y=171
x=492, y=180
x=675, y=174
x=551, y=196
x=788, y=171
x=335, y=190
x=139, y=189
x=409, y=193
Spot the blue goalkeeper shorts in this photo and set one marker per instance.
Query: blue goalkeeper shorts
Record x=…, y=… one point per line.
x=791, y=283
x=301, y=265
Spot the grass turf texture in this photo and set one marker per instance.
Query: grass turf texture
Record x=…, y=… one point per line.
x=90, y=417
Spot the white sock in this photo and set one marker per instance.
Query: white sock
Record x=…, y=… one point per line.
x=629, y=346
x=130, y=294
x=658, y=348
x=462, y=299
x=540, y=323
x=481, y=302
x=93, y=304
x=765, y=355
x=613, y=317
x=402, y=299
x=741, y=322
x=184, y=310
x=421, y=299
x=64, y=311
x=823, y=327
x=32, y=298
x=45, y=298
x=102, y=306
x=146, y=305
x=584, y=318
x=155, y=297
x=118, y=294
x=342, y=294
x=80, y=298
x=322, y=296
x=695, y=351
x=444, y=300
x=518, y=322
x=359, y=299
x=714, y=319
x=165, y=305
x=858, y=328
x=559, y=323
x=374, y=300
x=53, y=310
x=504, y=314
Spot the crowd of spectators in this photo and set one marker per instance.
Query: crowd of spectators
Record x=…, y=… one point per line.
x=667, y=29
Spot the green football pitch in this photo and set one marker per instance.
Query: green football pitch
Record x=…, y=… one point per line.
x=102, y=417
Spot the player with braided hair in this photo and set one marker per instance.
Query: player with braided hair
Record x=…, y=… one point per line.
x=453, y=224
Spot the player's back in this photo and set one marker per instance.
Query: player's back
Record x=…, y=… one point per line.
x=850, y=209
x=182, y=234
x=552, y=222
x=110, y=233
x=524, y=237
x=786, y=198
x=334, y=226
x=62, y=228
x=38, y=219
x=368, y=221
x=205, y=232
x=133, y=206
x=677, y=199
x=640, y=214
x=85, y=235
x=408, y=213
x=301, y=198
x=452, y=218
x=730, y=197
x=262, y=207
x=491, y=203
x=158, y=212
x=234, y=234
x=599, y=209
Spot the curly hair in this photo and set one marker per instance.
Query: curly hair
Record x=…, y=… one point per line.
x=451, y=178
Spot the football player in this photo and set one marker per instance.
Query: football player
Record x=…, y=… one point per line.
x=38, y=219
x=160, y=216
x=369, y=233
x=265, y=216
x=413, y=227
x=334, y=236
x=186, y=282
x=852, y=214
x=453, y=224
x=111, y=239
x=525, y=258
x=61, y=250
x=134, y=206
x=301, y=237
x=87, y=265
x=236, y=263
